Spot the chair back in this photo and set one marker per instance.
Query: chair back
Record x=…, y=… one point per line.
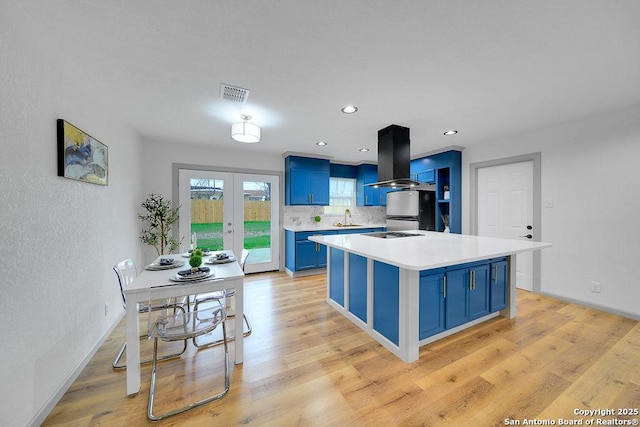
x=126, y=271
x=243, y=258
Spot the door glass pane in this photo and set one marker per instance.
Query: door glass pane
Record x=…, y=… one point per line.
x=207, y=202
x=257, y=221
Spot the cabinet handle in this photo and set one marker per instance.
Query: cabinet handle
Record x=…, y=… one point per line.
x=311, y=198
x=470, y=280
x=444, y=286
x=366, y=200
x=495, y=274
x=317, y=247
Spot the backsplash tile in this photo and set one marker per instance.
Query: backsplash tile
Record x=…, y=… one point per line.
x=304, y=216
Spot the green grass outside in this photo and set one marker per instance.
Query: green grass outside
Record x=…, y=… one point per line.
x=257, y=235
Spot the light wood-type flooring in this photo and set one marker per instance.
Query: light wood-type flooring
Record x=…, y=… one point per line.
x=307, y=365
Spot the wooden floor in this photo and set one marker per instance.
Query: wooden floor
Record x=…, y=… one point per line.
x=307, y=365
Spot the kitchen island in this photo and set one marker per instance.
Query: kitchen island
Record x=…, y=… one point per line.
x=411, y=288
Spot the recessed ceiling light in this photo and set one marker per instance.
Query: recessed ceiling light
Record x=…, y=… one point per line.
x=450, y=132
x=349, y=109
x=363, y=150
x=321, y=143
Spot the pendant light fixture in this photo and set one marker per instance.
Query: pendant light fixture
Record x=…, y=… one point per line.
x=244, y=131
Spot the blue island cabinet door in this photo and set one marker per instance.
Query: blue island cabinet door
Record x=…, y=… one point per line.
x=479, y=292
x=386, y=300
x=498, y=285
x=431, y=303
x=456, y=295
x=358, y=286
x=336, y=279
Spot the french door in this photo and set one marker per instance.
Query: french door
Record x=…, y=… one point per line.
x=225, y=210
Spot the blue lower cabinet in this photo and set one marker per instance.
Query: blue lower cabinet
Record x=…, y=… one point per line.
x=307, y=255
x=432, y=311
x=498, y=286
x=386, y=300
x=358, y=286
x=467, y=294
x=479, y=291
x=456, y=298
x=336, y=280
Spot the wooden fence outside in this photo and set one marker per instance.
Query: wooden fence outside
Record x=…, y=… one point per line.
x=205, y=210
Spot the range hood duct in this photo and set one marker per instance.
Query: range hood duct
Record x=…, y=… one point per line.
x=394, y=158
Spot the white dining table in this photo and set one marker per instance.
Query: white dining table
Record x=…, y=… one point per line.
x=157, y=285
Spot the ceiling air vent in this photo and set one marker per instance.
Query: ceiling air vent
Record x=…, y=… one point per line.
x=234, y=93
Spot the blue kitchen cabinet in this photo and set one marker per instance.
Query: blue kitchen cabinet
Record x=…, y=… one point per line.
x=456, y=298
x=467, y=294
x=306, y=255
x=432, y=303
x=358, y=286
x=478, y=291
x=303, y=254
x=367, y=195
x=498, y=286
x=306, y=181
x=443, y=169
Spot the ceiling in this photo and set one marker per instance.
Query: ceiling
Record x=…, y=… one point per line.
x=486, y=68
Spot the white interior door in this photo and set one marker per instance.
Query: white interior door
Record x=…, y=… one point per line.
x=231, y=211
x=505, y=209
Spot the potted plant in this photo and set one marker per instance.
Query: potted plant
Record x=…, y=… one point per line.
x=195, y=260
x=159, y=217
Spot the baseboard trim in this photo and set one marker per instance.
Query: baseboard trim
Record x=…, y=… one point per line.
x=44, y=412
x=606, y=309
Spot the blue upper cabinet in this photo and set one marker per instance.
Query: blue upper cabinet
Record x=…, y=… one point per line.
x=306, y=181
x=445, y=171
x=367, y=196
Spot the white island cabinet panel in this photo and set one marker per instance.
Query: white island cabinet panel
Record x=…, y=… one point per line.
x=423, y=287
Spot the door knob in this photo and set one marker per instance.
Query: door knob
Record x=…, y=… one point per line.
x=529, y=227
x=528, y=236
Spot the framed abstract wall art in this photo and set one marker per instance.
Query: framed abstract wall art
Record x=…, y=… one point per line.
x=80, y=156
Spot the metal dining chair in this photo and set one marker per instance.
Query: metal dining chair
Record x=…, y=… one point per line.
x=218, y=297
x=126, y=272
x=174, y=323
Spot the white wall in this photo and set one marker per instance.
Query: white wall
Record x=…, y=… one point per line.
x=59, y=238
x=590, y=168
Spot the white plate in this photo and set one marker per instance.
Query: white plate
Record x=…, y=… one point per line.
x=214, y=260
x=158, y=266
x=204, y=254
x=192, y=277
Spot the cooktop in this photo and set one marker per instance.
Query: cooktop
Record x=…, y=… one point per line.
x=390, y=234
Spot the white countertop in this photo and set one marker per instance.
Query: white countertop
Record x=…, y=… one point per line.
x=330, y=227
x=430, y=249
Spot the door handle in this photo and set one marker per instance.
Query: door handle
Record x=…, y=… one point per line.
x=528, y=236
x=444, y=287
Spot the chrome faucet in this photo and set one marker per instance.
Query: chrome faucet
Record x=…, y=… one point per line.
x=346, y=212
